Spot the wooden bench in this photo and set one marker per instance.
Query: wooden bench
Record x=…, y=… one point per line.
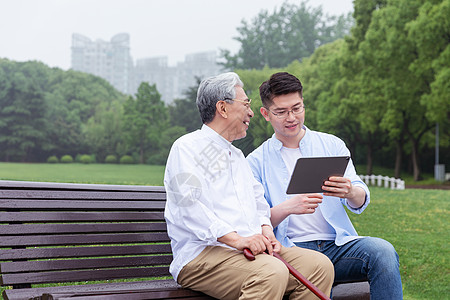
x=57, y=233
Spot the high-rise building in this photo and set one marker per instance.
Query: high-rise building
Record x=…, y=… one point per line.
x=196, y=65
x=173, y=82
x=112, y=61
x=155, y=70
x=109, y=60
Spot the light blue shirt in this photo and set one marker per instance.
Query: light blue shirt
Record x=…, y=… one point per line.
x=269, y=168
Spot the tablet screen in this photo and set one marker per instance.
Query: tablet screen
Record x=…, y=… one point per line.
x=310, y=173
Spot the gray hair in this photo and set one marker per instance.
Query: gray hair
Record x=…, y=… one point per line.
x=213, y=89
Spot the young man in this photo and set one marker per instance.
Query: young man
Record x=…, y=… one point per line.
x=315, y=221
x=215, y=209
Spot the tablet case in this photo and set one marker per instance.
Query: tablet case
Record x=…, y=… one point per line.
x=310, y=173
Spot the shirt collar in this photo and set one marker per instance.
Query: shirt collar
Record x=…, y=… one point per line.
x=277, y=144
x=216, y=137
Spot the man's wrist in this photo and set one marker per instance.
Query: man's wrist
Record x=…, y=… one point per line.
x=230, y=239
x=358, y=199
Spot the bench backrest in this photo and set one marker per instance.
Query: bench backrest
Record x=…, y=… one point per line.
x=53, y=232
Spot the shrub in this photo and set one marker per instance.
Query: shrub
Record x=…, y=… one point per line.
x=157, y=159
x=85, y=159
x=111, y=159
x=126, y=159
x=136, y=157
x=52, y=159
x=67, y=159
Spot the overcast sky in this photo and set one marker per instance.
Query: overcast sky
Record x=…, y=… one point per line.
x=42, y=29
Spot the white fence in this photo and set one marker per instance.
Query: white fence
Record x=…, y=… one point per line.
x=393, y=183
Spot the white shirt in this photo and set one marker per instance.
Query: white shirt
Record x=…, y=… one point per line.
x=305, y=227
x=211, y=192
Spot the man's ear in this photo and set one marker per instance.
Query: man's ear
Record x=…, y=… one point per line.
x=265, y=113
x=221, y=109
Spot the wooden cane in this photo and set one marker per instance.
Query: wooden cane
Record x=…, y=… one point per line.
x=249, y=255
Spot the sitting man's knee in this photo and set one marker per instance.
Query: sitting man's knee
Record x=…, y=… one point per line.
x=276, y=269
x=272, y=271
x=325, y=265
x=271, y=276
x=322, y=262
x=383, y=248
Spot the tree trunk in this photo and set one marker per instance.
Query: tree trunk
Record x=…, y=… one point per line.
x=398, y=159
x=415, y=159
x=369, y=168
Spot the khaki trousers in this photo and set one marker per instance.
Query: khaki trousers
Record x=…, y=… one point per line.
x=225, y=273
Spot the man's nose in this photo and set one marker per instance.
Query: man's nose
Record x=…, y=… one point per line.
x=290, y=115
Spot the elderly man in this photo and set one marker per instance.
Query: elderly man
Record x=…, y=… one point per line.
x=215, y=209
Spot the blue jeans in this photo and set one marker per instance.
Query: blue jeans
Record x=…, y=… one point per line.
x=366, y=258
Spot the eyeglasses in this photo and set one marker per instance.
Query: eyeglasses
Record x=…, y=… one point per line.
x=284, y=114
x=246, y=102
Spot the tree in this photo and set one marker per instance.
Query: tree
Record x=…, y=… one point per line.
x=184, y=112
x=168, y=137
x=384, y=88
x=430, y=32
x=363, y=11
x=103, y=131
x=23, y=119
x=74, y=98
x=44, y=111
x=387, y=54
x=291, y=33
x=144, y=119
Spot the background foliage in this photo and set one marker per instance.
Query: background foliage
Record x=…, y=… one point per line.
x=292, y=32
x=381, y=89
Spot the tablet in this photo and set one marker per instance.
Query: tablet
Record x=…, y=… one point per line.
x=310, y=173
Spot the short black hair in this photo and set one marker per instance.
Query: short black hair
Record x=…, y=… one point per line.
x=281, y=83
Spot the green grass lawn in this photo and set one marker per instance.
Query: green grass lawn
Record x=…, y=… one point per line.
x=83, y=173
x=415, y=221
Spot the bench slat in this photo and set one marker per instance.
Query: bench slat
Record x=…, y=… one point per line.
x=83, y=239
x=130, y=295
x=49, y=253
x=78, y=264
x=24, y=185
x=157, y=285
x=80, y=195
x=80, y=216
x=90, y=275
x=78, y=205
x=26, y=229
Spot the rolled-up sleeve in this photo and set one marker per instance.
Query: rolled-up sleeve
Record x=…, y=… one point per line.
x=262, y=206
x=357, y=182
